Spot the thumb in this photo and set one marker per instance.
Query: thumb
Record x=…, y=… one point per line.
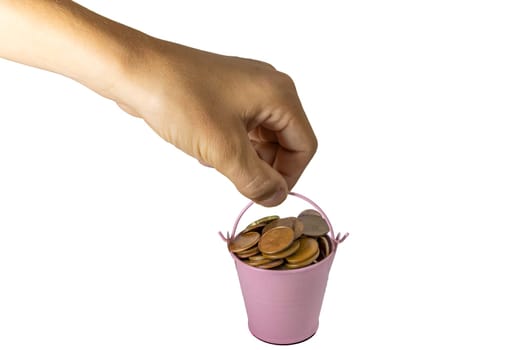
x=252, y=176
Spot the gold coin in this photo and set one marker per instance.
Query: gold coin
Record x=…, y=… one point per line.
x=287, y=252
x=309, y=212
x=324, y=245
x=257, y=257
x=276, y=240
x=257, y=228
x=249, y=252
x=259, y=262
x=303, y=263
x=308, y=247
x=314, y=226
x=266, y=220
x=244, y=241
x=272, y=264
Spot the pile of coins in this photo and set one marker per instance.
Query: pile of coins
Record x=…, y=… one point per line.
x=283, y=243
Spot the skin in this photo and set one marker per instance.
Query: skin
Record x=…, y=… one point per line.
x=239, y=116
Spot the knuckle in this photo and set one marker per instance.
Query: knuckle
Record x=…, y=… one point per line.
x=284, y=80
x=314, y=144
x=276, y=81
x=266, y=65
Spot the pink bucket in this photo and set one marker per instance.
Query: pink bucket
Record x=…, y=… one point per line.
x=283, y=306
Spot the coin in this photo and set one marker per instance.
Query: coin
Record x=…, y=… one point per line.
x=266, y=220
x=255, y=228
x=310, y=212
x=276, y=240
x=259, y=262
x=298, y=228
x=244, y=241
x=284, y=222
x=308, y=247
x=290, y=222
x=314, y=226
x=274, y=243
x=324, y=246
x=257, y=257
x=287, y=252
x=249, y=252
x=272, y=264
x=303, y=263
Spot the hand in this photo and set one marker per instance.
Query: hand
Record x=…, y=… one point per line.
x=240, y=116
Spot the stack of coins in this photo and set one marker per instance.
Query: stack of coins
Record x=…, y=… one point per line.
x=283, y=243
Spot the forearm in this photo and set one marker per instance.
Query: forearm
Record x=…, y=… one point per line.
x=66, y=38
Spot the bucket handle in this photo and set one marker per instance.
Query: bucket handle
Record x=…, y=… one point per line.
x=339, y=238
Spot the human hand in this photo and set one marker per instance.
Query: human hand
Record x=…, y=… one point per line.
x=240, y=116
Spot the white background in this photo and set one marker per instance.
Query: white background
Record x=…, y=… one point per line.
x=108, y=235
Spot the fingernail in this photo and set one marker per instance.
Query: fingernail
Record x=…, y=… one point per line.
x=277, y=198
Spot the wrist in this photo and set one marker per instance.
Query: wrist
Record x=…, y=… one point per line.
x=143, y=71
x=114, y=57
x=123, y=61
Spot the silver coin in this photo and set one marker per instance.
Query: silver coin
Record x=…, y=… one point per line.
x=314, y=226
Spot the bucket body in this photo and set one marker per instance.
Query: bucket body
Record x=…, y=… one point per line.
x=283, y=306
